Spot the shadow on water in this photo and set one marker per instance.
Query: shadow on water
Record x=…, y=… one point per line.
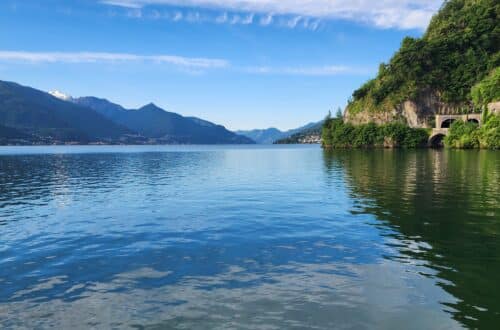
x=444, y=209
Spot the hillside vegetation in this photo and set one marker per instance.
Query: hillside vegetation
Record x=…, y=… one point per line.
x=464, y=135
x=455, y=62
x=454, y=68
x=337, y=134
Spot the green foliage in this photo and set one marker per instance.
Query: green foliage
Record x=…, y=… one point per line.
x=470, y=136
x=339, y=113
x=462, y=135
x=489, y=136
x=488, y=90
x=402, y=135
x=326, y=135
x=343, y=135
x=337, y=134
x=366, y=136
x=363, y=90
x=328, y=116
x=460, y=47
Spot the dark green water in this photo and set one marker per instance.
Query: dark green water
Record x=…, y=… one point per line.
x=248, y=238
x=446, y=202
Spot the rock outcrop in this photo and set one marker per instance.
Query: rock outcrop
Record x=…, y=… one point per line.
x=455, y=62
x=494, y=107
x=417, y=113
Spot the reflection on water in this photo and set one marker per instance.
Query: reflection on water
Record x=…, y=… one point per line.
x=229, y=237
x=444, y=208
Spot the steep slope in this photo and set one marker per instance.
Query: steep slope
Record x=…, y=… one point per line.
x=167, y=127
x=434, y=74
x=11, y=133
x=37, y=113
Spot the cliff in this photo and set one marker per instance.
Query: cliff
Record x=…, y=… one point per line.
x=436, y=74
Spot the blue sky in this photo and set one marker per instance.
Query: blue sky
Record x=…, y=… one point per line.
x=240, y=63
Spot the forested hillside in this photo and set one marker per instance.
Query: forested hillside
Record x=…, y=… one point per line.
x=438, y=72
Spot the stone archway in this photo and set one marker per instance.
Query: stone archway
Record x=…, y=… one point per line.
x=437, y=141
x=473, y=121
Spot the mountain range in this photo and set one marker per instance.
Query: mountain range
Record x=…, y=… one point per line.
x=273, y=135
x=30, y=116
x=155, y=123
x=309, y=134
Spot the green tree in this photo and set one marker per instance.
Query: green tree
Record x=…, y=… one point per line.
x=459, y=49
x=462, y=135
x=488, y=90
x=339, y=113
x=489, y=133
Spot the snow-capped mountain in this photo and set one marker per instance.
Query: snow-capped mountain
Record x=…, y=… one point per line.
x=60, y=95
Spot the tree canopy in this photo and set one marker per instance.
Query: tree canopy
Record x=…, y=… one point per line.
x=459, y=49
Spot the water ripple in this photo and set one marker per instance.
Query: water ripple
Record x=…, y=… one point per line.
x=250, y=237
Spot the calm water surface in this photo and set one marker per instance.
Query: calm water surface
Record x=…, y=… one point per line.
x=248, y=238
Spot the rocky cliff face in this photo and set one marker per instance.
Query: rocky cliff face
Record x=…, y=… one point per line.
x=417, y=113
x=455, y=62
x=494, y=107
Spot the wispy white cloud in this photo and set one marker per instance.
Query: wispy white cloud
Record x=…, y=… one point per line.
x=192, y=16
x=99, y=57
x=311, y=24
x=402, y=14
x=121, y=3
x=188, y=64
x=177, y=16
x=241, y=19
x=248, y=19
x=266, y=20
x=292, y=23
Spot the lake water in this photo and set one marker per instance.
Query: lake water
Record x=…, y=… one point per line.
x=280, y=237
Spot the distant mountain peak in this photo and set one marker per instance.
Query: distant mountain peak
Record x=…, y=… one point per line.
x=61, y=95
x=272, y=134
x=155, y=123
x=151, y=106
x=39, y=117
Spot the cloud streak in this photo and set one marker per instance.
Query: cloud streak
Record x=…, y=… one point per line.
x=190, y=64
x=401, y=14
x=102, y=57
x=197, y=16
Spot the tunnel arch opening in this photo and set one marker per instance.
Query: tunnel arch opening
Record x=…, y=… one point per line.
x=447, y=123
x=437, y=141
